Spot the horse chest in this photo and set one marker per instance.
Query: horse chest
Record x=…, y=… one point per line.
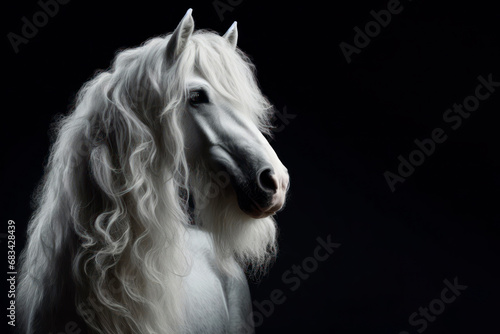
x=214, y=303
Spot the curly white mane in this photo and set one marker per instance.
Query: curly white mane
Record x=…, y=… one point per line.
x=108, y=241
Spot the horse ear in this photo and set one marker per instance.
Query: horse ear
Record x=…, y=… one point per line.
x=231, y=34
x=180, y=37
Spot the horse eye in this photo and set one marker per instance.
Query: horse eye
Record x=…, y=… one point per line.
x=198, y=97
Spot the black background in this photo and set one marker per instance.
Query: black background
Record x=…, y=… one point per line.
x=351, y=123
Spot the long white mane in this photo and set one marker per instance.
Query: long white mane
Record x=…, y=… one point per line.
x=107, y=236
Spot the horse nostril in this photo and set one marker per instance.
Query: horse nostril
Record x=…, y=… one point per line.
x=267, y=181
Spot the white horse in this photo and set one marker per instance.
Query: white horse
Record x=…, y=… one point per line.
x=159, y=192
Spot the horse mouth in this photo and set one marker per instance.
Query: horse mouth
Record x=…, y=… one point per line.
x=253, y=209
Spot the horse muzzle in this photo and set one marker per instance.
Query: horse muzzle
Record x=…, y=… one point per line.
x=260, y=187
x=266, y=196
